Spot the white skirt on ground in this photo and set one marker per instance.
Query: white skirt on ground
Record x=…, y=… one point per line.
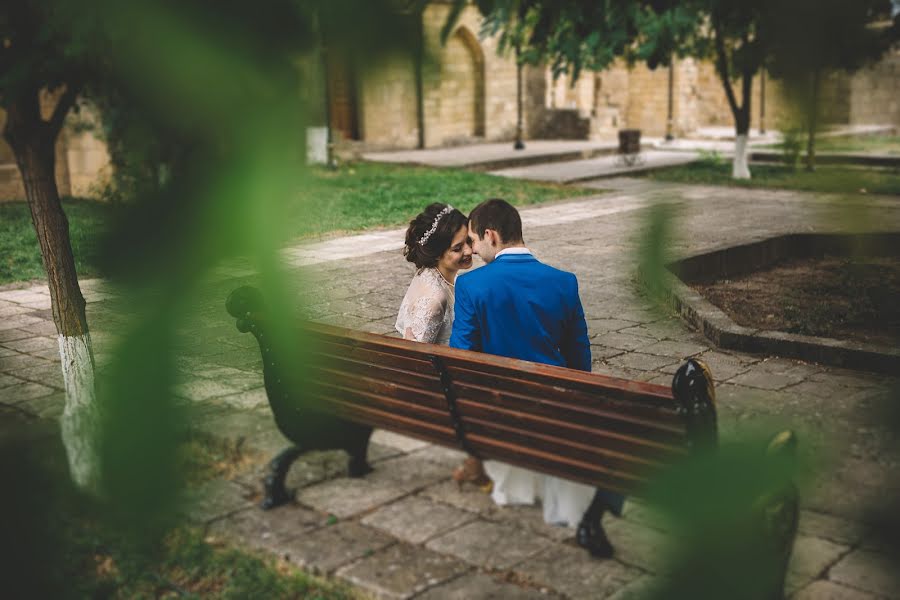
x=564, y=501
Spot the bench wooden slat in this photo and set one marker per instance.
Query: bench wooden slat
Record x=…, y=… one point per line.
x=640, y=442
x=520, y=370
x=530, y=458
x=641, y=448
x=574, y=470
x=613, y=452
x=542, y=397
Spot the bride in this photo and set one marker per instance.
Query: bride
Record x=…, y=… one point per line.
x=437, y=243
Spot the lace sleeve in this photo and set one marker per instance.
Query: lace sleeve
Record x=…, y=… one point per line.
x=424, y=318
x=423, y=309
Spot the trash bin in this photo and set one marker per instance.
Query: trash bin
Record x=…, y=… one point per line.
x=629, y=141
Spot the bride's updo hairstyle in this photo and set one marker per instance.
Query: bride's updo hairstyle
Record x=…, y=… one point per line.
x=429, y=234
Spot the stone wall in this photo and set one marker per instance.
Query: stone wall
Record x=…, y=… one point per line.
x=875, y=92
x=387, y=104
x=81, y=158
x=469, y=91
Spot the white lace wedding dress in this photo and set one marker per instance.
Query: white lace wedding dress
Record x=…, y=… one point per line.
x=426, y=315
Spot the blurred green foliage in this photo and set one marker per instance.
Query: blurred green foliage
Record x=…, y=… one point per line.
x=731, y=514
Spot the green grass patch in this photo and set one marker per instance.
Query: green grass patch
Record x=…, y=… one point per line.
x=365, y=195
x=354, y=197
x=20, y=254
x=186, y=565
x=874, y=144
x=826, y=179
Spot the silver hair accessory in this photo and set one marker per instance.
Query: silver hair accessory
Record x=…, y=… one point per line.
x=424, y=239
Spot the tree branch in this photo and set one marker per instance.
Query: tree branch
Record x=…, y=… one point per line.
x=65, y=102
x=722, y=67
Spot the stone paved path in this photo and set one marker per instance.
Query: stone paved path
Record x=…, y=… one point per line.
x=405, y=530
x=601, y=166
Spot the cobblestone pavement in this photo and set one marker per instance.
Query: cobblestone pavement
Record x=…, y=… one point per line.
x=405, y=530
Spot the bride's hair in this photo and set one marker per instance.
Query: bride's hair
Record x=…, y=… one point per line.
x=436, y=225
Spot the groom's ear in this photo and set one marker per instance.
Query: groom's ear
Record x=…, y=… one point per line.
x=492, y=237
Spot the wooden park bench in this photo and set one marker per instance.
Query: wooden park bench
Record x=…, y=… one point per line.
x=602, y=431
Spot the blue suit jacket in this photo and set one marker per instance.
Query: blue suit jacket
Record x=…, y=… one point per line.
x=518, y=307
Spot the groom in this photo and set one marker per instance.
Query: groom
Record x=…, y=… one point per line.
x=518, y=307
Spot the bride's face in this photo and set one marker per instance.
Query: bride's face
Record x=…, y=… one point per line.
x=459, y=255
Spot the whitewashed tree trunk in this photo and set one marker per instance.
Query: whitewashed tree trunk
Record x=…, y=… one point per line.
x=33, y=139
x=80, y=421
x=740, y=168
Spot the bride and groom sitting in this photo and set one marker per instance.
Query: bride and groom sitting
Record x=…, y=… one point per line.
x=514, y=306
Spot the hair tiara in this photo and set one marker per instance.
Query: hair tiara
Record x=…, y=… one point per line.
x=424, y=239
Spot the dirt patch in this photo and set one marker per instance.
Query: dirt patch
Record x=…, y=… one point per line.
x=837, y=297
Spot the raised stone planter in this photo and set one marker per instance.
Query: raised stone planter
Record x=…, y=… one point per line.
x=734, y=261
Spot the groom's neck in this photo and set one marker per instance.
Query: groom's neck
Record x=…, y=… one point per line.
x=519, y=244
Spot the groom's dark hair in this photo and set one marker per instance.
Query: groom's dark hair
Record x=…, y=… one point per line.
x=498, y=215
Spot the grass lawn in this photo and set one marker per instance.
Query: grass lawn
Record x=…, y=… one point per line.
x=840, y=180
x=20, y=254
x=875, y=144
x=363, y=195
x=356, y=196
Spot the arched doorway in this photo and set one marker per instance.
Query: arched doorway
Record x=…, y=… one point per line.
x=462, y=87
x=342, y=99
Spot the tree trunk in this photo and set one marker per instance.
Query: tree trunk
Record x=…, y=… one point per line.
x=740, y=168
x=33, y=140
x=741, y=113
x=813, y=121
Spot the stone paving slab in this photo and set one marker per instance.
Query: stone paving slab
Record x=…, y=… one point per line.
x=324, y=550
x=215, y=499
x=473, y=155
x=810, y=559
x=268, y=530
x=19, y=321
x=401, y=571
x=829, y=527
x=868, y=571
x=529, y=518
x=603, y=166
x=466, y=498
x=826, y=590
x=483, y=587
x=639, y=546
x=416, y=519
x=489, y=545
x=24, y=393
x=572, y=572
x=390, y=480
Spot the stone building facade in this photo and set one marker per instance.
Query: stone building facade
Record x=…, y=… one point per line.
x=82, y=162
x=463, y=92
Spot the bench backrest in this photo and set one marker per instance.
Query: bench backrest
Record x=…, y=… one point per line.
x=585, y=427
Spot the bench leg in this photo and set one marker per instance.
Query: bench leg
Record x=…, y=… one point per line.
x=273, y=482
x=357, y=447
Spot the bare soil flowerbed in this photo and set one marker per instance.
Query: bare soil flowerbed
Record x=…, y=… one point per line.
x=837, y=297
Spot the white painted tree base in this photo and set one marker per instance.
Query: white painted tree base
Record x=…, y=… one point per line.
x=740, y=168
x=80, y=421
